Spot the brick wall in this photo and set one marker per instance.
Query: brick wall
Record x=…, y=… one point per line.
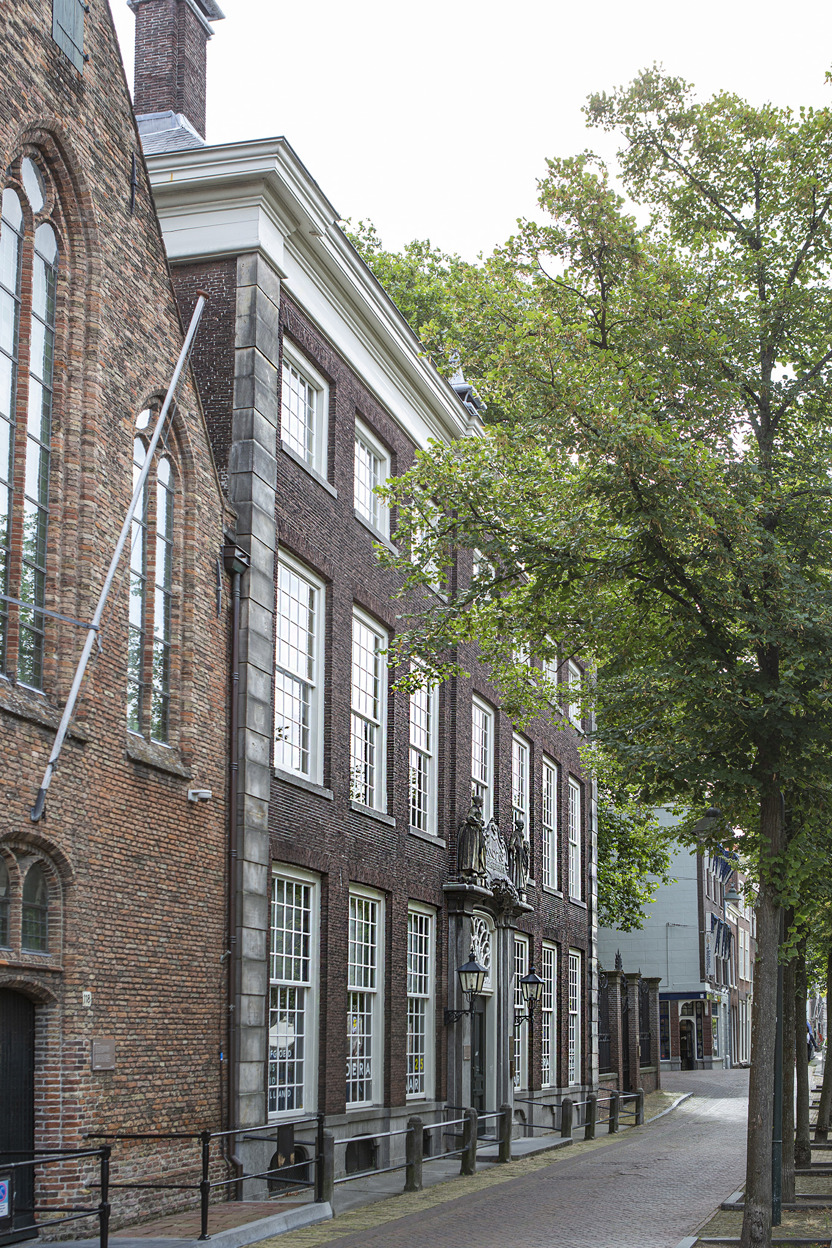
x=136, y=871
x=170, y=60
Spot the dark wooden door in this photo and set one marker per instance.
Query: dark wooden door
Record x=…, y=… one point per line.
x=17, y=1104
x=478, y=1058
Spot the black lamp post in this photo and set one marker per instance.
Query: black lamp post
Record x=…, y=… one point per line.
x=472, y=978
x=531, y=986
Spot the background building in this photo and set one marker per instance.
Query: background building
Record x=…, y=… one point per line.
x=698, y=939
x=353, y=908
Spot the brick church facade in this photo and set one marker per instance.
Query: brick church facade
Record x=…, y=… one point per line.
x=112, y=902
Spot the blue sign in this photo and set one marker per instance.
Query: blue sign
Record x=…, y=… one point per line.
x=5, y=1199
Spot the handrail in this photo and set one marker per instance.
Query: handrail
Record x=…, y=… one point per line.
x=45, y=1157
x=374, y=1135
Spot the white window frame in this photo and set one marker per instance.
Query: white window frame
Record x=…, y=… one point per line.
x=315, y=457
x=309, y=986
x=521, y=1033
x=376, y=993
x=484, y=785
x=378, y=793
x=427, y=1008
x=576, y=890
x=521, y=756
x=549, y=1015
x=575, y=1038
x=425, y=760
x=550, y=786
x=315, y=685
x=378, y=517
x=574, y=676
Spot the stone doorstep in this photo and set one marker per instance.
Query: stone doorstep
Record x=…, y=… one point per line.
x=234, y=1237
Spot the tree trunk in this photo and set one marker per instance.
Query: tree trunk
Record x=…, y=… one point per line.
x=788, y=1077
x=825, y=1108
x=756, y=1221
x=802, y=1144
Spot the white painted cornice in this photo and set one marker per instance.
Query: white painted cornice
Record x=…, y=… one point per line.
x=258, y=196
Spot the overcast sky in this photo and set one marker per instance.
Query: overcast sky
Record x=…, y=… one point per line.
x=434, y=119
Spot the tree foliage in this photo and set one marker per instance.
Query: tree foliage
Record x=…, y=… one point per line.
x=659, y=500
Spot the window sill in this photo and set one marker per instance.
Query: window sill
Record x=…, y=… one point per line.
x=430, y=837
x=361, y=809
x=553, y=892
x=576, y=901
x=159, y=757
x=377, y=533
x=313, y=472
x=299, y=782
x=29, y=704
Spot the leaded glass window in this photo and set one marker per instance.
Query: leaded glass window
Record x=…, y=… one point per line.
x=521, y=1037
x=4, y=903
x=35, y=930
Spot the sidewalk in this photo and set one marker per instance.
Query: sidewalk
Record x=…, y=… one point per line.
x=237, y=1224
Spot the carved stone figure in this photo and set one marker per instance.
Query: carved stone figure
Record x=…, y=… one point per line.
x=496, y=854
x=470, y=852
x=518, y=856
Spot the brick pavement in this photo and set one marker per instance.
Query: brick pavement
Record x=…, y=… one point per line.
x=646, y=1189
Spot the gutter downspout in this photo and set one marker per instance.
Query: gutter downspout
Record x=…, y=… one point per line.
x=236, y=563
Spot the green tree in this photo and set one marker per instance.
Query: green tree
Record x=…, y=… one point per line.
x=659, y=501
x=420, y=280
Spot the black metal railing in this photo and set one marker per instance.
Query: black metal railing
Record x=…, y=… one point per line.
x=275, y=1175
x=9, y=1170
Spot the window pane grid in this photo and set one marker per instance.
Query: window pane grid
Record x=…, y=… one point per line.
x=299, y=403
x=574, y=1017
x=548, y=1016
x=482, y=738
x=365, y=723
x=575, y=889
x=287, y=1056
x=291, y=975
x=421, y=758
x=550, y=824
x=369, y=473
x=521, y=968
x=295, y=677
x=520, y=781
x=291, y=921
x=419, y=989
x=362, y=967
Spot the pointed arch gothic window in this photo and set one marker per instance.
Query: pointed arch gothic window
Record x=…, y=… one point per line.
x=151, y=595
x=29, y=260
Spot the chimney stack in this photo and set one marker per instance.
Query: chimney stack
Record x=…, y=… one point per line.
x=171, y=41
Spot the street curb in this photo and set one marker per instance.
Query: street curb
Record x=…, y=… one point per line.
x=234, y=1237
x=684, y=1097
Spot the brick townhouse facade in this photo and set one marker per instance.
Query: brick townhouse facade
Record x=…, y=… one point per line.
x=112, y=903
x=354, y=903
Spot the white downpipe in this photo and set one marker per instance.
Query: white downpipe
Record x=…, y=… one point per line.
x=95, y=625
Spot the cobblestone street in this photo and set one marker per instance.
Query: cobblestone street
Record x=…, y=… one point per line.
x=645, y=1190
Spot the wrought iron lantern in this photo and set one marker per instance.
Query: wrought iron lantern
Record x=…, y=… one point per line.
x=531, y=986
x=472, y=979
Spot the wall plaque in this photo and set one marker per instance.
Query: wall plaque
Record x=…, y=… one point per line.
x=103, y=1056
